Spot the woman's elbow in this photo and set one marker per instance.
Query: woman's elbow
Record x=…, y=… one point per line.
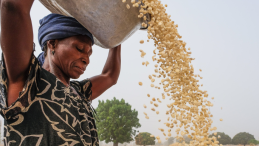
x=9, y=5
x=111, y=78
x=114, y=82
x=12, y=6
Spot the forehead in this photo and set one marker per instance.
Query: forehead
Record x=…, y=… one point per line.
x=81, y=39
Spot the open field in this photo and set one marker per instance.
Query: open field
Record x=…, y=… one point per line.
x=161, y=145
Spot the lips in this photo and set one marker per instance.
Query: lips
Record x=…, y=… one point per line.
x=81, y=70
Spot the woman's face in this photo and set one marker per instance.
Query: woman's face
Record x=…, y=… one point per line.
x=72, y=55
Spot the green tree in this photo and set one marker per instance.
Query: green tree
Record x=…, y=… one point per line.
x=144, y=138
x=116, y=121
x=224, y=138
x=186, y=139
x=242, y=138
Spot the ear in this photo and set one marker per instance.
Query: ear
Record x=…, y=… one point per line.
x=52, y=44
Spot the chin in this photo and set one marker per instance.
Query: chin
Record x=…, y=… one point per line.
x=75, y=76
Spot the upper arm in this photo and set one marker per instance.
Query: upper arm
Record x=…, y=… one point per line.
x=110, y=73
x=100, y=84
x=16, y=38
x=93, y=87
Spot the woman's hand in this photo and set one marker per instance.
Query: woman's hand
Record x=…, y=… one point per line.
x=110, y=73
x=16, y=43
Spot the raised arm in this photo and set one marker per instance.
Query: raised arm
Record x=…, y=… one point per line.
x=110, y=73
x=16, y=43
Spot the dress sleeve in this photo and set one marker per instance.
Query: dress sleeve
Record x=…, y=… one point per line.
x=27, y=94
x=84, y=87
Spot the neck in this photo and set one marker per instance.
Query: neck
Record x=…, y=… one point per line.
x=60, y=75
x=52, y=68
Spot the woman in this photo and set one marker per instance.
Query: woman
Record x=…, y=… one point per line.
x=39, y=103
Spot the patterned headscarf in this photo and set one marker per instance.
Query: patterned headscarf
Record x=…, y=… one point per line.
x=56, y=26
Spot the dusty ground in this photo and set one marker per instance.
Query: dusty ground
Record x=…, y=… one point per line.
x=161, y=145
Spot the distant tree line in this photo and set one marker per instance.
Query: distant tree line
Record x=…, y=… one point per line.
x=243, y=138
x=117, y=122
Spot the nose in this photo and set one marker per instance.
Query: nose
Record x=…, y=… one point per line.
x=85, y=59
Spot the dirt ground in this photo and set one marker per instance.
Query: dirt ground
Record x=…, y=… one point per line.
x=224, y=145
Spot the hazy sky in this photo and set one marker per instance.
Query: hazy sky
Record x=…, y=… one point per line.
x=223, y=37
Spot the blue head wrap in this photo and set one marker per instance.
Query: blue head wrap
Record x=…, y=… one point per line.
x=56, y=26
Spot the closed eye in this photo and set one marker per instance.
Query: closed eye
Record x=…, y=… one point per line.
x=80, y=50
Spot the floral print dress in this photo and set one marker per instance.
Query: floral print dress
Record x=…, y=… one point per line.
x=47, y=113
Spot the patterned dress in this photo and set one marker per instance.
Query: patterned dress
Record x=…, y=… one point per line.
x=47, y=113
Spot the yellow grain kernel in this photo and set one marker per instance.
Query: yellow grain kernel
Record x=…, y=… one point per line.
x=136, y=5
x=150, y=77
x=143, y=54
x=163, y=96
x=147, y=63
x=128, y=6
